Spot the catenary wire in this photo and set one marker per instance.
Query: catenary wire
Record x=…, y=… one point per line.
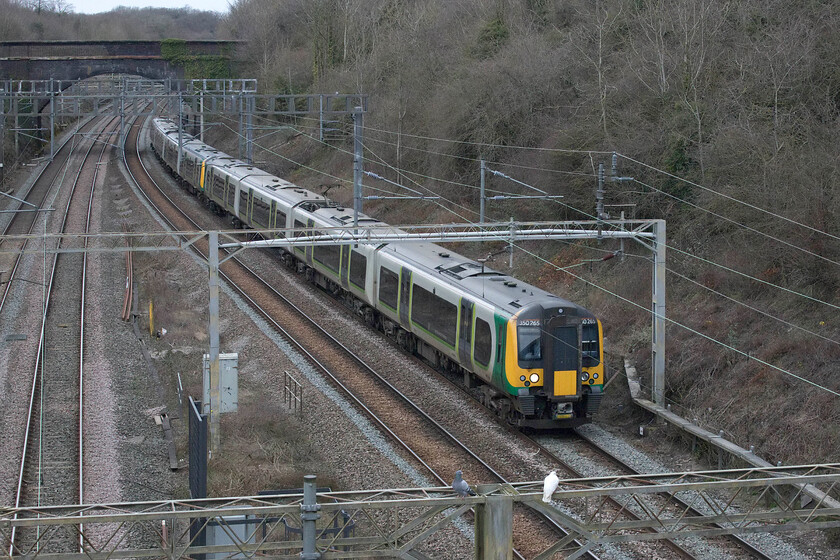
x=706, y=261
x=623, y=156
x=750, y=307
x=737, y=223
x=605, y=290
x=728, y=197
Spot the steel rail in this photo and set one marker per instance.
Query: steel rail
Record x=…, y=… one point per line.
x=105, y=146
x=38, y=360
x=670, y=497
x=347, y=391
x=47, y=190
x=541, y=449
x=546, y=452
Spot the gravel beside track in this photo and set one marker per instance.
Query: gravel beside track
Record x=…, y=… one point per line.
x=51, y=466
x=483, y=433
x=21, y=314
x=771, y=545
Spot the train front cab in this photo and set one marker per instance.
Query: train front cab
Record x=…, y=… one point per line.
x=554, y=365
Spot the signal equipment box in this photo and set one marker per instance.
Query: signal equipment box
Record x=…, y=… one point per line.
x=228, y=382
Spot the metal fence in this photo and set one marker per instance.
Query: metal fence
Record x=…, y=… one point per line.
x=293, y=393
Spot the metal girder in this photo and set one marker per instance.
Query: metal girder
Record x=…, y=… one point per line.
x=77, y=105
x=271, y=105
x=388, y=523
x=116, y=86
x=115, y=242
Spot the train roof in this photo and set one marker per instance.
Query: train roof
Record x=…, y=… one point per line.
x=503, y=290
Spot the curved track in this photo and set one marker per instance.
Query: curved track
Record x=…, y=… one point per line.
x=405, y=422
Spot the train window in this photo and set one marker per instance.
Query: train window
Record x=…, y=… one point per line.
x=434, y=314
x=280, y=222
x=528, y=341
x=388, y=286
x=358, y=269
x=483, y=342
x=589, y=346
x=243, y=202
x=261, y=212
x=218, y=186
x=300, y=248
x=328, y=255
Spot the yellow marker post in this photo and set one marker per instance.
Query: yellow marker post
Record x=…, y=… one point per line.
x=151, y=318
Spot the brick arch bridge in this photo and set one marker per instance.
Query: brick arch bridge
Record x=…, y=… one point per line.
x=75, y=60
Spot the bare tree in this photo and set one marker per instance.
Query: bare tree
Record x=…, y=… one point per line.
x=648, y=55
x=591, y=41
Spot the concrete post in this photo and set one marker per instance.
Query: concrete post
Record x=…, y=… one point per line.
x=308, y=517
x=321, y=117
x=481, y=207
x=122, y=115
x=2, y=136
x=494, y=529
x=512, y=229
x=599, y=199
x=52, y=119
x=180, y=135
x=241, y=135
x=16, y=111
x=658, y=361
x=250, y=103
x=621, y=242
x=201, y=108
x=215, y=394
x=358, y=164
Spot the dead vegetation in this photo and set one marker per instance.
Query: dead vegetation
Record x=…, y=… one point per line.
x=721, y=102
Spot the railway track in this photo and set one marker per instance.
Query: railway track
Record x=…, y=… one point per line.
x=386, y=406
x=623, y=467
x=51, y=467
x=23, y=222
x=425, y=432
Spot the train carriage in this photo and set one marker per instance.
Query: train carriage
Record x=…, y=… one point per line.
x=536, y=358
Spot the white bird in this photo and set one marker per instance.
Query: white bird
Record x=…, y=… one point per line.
x=550, y=484
x=461, y=487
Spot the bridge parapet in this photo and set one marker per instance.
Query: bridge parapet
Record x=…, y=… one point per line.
x=98, y=49
x=77, y=60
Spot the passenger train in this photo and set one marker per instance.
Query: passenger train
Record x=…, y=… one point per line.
x=536, y=359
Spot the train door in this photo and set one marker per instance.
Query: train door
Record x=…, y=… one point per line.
x=244, y=200
x=465, y=332
x=345, y=266
x=230, y=195
x=203, y=176
x=405, y=294
x=562, y=357
x=309, y=248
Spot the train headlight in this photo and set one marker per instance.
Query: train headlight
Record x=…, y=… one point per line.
x=584, y=376
x=521, y=378
x=535, y=377
x=594, y=376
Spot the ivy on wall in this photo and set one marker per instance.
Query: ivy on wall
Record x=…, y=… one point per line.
x=211, y=66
